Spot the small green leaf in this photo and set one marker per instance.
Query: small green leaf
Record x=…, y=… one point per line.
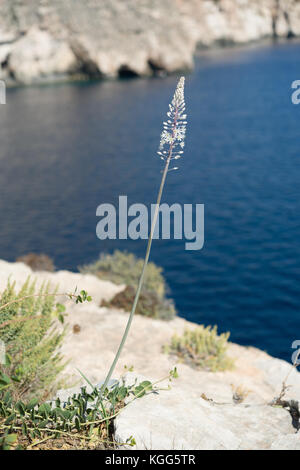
x=15, y=378
x=24, y=428
x=7, y=359
x=142, y=388
x=7, y=398
x=4, y=379
x=131, y=441
x=45, y=409
x=20, y=407
x=11, y=418
x=33, y=402
x=60, y=308
x=77, y=424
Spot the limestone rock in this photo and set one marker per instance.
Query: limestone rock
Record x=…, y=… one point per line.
x=49, y=39
x=177, y=420
x=38, y=55
x=288, y=442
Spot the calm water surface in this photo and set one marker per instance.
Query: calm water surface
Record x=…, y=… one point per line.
x=66, y=149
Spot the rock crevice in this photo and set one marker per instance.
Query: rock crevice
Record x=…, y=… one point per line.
x=47, y=40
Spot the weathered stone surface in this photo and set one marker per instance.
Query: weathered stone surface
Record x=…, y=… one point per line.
x=289, y=442
x=37, y=55
x=176, y=419
x=46, y=38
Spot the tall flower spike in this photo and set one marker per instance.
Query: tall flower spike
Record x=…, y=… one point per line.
x=172, y=138
x=174, y=129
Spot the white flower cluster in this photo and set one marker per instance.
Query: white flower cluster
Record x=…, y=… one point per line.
x=173, y=134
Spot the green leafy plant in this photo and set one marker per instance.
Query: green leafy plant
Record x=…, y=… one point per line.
x=150, y=304
x=32, y=361
x=124, y=268
x=32, y=341
x=202, y=348
x=79, y=421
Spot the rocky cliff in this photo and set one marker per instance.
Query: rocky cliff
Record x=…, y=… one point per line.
x=43, y=39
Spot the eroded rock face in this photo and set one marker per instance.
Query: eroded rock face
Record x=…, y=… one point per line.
x=43, y=39
x=37, y=55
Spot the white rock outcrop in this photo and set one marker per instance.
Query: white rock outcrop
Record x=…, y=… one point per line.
x=46, y=39
x=182, y=420
x=39, y=55
x=65, y=280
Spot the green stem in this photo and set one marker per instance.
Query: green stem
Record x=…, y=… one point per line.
x=141, y=280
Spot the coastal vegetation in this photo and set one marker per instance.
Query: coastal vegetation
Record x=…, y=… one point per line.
x=37, y=262
x=27, y=329
x=202, y=348
x=122, y=267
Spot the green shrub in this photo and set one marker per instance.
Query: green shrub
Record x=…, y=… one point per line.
x=202, y=348
x=31, y=341
x=37, y=262
x=149, y=304
x=124, y=268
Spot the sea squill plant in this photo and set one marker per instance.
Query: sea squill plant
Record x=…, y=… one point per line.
x=170, y=148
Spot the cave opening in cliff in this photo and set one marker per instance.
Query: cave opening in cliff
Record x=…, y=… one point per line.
x=155, y=68
x=126, y=72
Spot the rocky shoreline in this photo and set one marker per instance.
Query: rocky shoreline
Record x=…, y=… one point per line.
x=43, y=40
x=201, y=410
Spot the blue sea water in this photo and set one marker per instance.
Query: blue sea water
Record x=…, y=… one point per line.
x=65, y=149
